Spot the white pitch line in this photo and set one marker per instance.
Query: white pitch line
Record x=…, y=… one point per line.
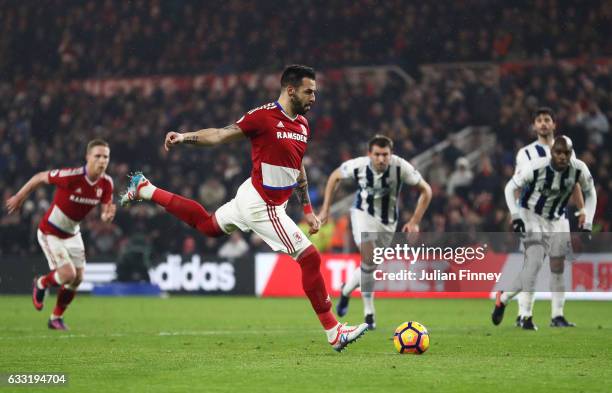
x=160, y=334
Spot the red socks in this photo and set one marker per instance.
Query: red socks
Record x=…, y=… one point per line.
x=64, y=297
x=196, y=216
x=314, y=286
x=188, y=211
x=49, y=280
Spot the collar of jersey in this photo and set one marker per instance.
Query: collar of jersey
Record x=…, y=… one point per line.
x=550, y=165
x=91, y=183
x=285, y=113
x=375, y=172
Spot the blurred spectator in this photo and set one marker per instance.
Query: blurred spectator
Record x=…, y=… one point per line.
x=461, y=178
x=595, y=123
x=64, y=39
x=61, y=117
x=212, y=193
x=234, y=247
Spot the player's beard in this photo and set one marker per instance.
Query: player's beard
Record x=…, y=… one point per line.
x=544, y=133
x=382, y=168
x=298, y=107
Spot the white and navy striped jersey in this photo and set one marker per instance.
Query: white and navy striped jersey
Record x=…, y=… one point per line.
x=546, y=191
x=533, y=151
x=378, y=192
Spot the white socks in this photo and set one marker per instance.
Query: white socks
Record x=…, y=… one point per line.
x=368, y=297
x=331, y=333
x=529, y=300
x=146, y=192
x=557, y=288
x=353, y=282
x=368, y=302
x=56, y=277
x=521, y=300
x=507, y=296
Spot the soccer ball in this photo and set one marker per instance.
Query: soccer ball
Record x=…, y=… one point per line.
x=411, y=337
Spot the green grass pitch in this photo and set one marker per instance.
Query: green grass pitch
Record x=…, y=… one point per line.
x=240, y=344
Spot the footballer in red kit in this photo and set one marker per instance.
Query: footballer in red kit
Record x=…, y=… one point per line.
x=77, y=192
x=279, y=134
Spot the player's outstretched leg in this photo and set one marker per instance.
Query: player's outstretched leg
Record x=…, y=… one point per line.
x=339, y=335
x=187, y=210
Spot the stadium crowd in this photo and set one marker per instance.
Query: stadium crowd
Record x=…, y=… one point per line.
x=59, y=39
x=44, y=126
x=46, y=119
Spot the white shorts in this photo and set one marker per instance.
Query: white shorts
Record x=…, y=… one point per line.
x=368, y=228
x=554, y=234
x=249, y=212
x=62, y=251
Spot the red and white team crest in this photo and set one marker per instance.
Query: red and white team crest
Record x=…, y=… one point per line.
x=98, y=192
x=297, y=237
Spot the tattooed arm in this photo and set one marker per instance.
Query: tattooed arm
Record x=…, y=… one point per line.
x=204, y=137
x=302, y=193
x=302, y=187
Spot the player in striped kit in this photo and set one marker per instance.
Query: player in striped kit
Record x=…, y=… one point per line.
x=547, y=184
x=380, y=176
x=544, y=126
x=278, y=133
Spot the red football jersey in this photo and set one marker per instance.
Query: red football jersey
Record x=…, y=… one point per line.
x=278, y=146
x=75, y=196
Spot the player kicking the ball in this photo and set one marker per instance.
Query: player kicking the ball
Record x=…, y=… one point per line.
x=278, y=133
x=546, y=184
x=380, y=176
x=78, y=191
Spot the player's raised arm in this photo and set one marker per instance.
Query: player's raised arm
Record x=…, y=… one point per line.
x=15, y=201
x=204, y=137
x=330, y=191
x=302, y=193
x=421, y=207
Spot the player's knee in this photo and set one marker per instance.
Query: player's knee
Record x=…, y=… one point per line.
x=78, y=279
x=310, y=258
x=210, y=227
x=67, y=273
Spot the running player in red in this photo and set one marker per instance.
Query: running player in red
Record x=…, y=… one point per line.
x=78, y=191
x=279, y=134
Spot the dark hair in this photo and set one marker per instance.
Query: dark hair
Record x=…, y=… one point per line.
x=544, y=110
x=96, y=142
x=293, y=74
x=380, y=141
